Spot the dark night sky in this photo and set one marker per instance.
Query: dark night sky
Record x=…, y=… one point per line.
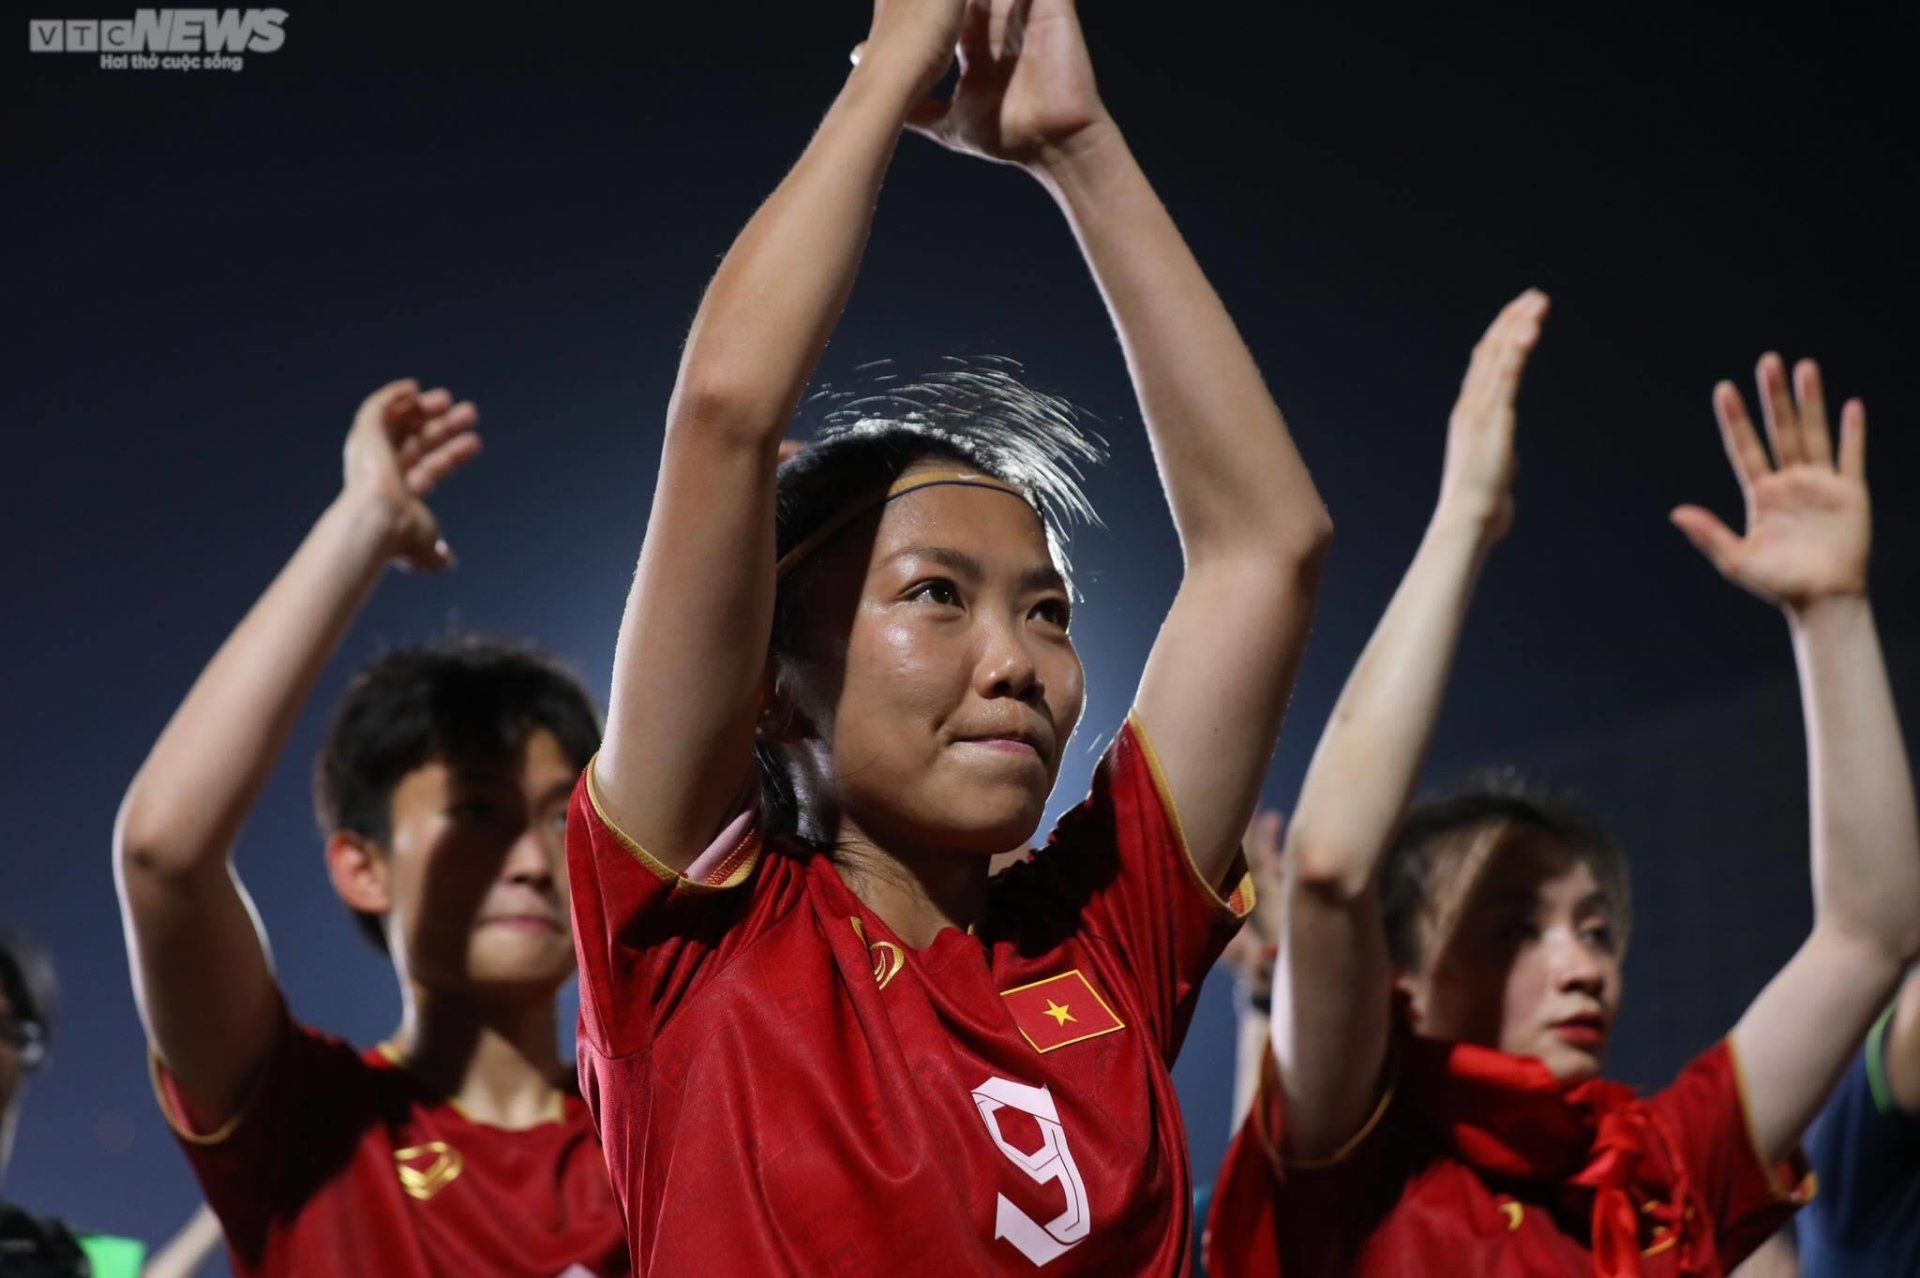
x=209, y=270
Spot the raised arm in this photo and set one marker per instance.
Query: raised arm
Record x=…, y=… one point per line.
x=200, y=969
x=1332, y=984
x=1251, y=526
x=1805, y=550
x=689, y=665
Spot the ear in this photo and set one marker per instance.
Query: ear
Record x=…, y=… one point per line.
x=781, y=721
x=359, y=870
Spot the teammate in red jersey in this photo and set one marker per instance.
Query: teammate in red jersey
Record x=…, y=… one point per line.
x=817, y=1037
x=458, y=1147
x=1476, y=1136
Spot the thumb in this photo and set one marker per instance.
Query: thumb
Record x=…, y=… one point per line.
x=1709, y=536
x=927, y=117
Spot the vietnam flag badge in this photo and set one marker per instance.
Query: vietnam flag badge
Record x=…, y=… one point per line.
x=1060, y=1011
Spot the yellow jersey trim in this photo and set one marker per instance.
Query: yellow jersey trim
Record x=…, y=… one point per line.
x=1239, y=902
x=732, y=871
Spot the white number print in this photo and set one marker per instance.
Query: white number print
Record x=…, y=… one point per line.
x=1052, y=1161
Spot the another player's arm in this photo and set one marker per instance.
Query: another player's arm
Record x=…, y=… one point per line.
x=1332, y=982
x=1902, y=1047
x=201, y=973
x=690, y=665
x=1805, y=550
x=1252, y=528
x=188, y=1250
x=1249, y=956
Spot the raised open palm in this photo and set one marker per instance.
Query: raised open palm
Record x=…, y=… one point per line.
x=1808, y=526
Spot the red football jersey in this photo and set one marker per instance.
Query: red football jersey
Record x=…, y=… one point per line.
x=343, y=1163
x=783, y=1087
x=1400, y=1202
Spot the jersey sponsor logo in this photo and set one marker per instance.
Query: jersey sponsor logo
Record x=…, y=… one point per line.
x=1051, y=1161
x=427, y=1169
x=1060, y=1011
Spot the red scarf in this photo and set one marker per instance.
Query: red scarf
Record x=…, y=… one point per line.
x=1506, y=1118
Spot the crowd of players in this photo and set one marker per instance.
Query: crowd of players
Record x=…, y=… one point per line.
x=836, y=1017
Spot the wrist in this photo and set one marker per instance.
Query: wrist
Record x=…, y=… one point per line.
x=1473, y=519
x=895, y=79
x=364, y=525
x=1083, y=159
x=1815, y=616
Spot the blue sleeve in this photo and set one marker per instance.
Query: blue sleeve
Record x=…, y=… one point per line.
x=1866, y=1152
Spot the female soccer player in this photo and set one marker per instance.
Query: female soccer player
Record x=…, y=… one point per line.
x=458, y=1146
x=1483, y=1141
x=817, y=1038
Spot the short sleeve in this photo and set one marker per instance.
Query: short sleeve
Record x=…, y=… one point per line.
x=304, y=1099
x=1118, y=866
x=649, y=937
x=1704, y=1113
x=1267, y=1209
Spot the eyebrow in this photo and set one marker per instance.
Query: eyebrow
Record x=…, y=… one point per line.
x=1041, y=577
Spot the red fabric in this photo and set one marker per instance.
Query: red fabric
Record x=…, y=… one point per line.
x=308, y=1182
x=1483, y=1165
x=770, y=1107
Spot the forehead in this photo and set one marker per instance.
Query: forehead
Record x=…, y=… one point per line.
x=982, y=522
x=541, y=760
x=1530, y=866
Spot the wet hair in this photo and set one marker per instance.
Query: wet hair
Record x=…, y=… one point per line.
x=977, y=413
x=1445, y=839
x=466, y=698
x=26, y=974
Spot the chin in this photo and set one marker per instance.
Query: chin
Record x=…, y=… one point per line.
x=1569, y=1064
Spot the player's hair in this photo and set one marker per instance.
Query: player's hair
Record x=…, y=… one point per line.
x=26, y=974
x=465, y=697
x=977, y=413
x=1444, y=843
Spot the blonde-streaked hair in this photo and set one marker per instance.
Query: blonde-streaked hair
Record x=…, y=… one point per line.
x=1447, y=842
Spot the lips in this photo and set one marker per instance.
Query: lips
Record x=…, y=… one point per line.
x=523, y=922
x=1587, y=1031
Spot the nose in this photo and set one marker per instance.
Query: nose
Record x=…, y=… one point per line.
x=1576, y=967
x=530, y=860
x=1006, y=667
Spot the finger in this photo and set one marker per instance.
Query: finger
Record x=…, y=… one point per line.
x=1001, y=28
x=1815, y=440
x=429, y=556
x=375, y=408
x=976, y=44
x=462, y=416
x=1776, y=407
x=411, y=414
x=1708, y=534
x=1853, y=440
x=1493, y=374
x=1744, y=451
x=427, y=473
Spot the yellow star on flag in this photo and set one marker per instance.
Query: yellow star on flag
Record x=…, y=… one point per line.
x=1059, y=1013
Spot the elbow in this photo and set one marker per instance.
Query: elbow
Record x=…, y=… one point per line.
x=144, y=848
x=725, y=405
x=1326, y=872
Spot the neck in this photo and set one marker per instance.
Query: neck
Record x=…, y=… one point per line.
x=916, y=891
x=497, y=1062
